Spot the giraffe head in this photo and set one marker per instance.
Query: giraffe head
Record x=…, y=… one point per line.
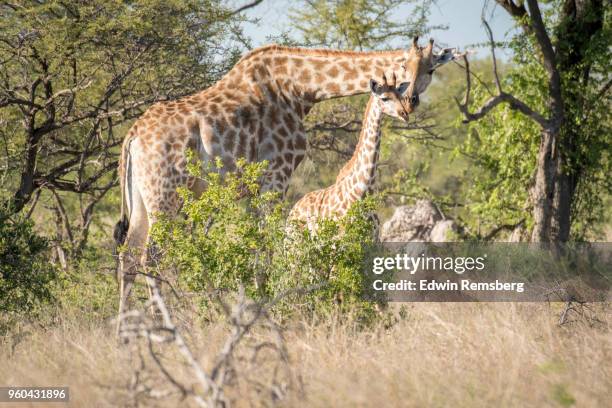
x=390, y=97
x=419, y=66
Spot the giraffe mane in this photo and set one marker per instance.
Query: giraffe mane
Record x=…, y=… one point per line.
x=318, y=52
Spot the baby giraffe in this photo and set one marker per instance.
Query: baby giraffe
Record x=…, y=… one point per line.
x=357, y=177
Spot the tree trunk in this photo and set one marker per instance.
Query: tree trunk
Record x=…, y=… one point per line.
x=581, y=21
x=562, y=204
x=543, y=191
x=564, y=55
x=26, y=184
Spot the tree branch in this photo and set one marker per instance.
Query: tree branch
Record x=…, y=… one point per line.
x=604, y=89
x=514, y=102
x=492, y=44
x=245, y=7
x=501, y=228
x=518, y=12
x=549, y=62
x=64, y=216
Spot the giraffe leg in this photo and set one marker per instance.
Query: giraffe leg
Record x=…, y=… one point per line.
x=129, y=260
x=168, y=204
x=275, y=180
x=149, y=262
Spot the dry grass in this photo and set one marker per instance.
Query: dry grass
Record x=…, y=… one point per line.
x=438, y=355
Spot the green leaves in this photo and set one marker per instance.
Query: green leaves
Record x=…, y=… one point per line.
x=232, y=235
x=26, y=276
x=359, y=24
x=503, y=146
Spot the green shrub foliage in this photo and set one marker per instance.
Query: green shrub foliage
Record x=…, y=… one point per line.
x=26, y=276
x=235, y=235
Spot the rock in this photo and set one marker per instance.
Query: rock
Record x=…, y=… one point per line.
x=420, y=222
x=444, y=231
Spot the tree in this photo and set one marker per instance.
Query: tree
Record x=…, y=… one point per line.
x=560, y=93
x=72, y=76
x=359, y=24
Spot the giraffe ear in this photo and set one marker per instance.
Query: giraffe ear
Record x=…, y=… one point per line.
x=375, y=87
x=403, y=87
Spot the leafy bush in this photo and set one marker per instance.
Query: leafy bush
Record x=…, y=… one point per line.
x=331, y=258
x=232, y=235
x=26, y=276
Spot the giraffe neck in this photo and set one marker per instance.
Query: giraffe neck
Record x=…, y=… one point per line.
x=302, y=77
x=361, y=169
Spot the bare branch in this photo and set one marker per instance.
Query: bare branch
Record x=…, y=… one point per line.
x=495, y=100
x=69, y=91
x=211, y=387
x=246, y=7
x=604, y=89
x=492, y=44
x=7, y=101
x=64, y=216
x=204, y=379
x=501, y=228
x=34, y=203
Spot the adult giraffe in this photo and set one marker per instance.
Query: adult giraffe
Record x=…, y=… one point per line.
x=255, y=111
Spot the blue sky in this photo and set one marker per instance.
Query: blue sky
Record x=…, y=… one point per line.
x=461, y=17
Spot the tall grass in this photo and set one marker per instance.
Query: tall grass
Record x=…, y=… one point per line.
x=443, y=354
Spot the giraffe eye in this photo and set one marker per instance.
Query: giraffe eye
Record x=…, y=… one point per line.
x=385, y=99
